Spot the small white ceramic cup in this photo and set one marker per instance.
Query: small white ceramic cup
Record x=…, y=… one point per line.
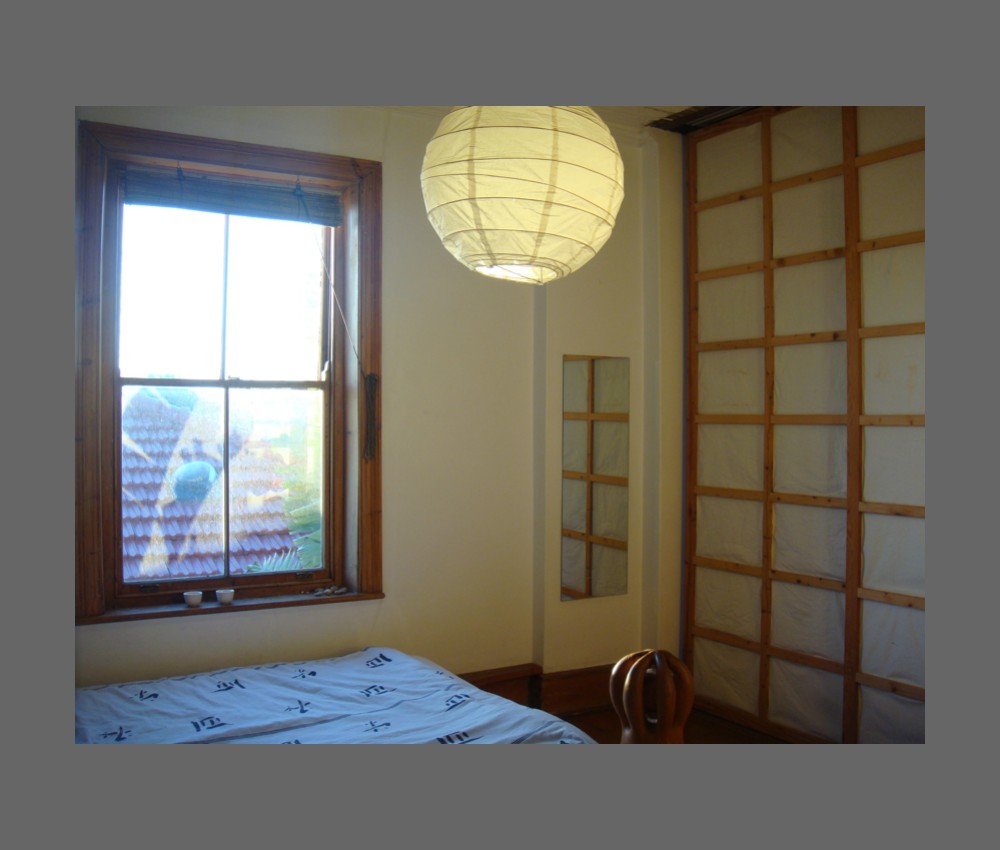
x=225, y=595
x=192, y=598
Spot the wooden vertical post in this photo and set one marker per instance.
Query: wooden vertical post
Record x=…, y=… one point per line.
x=369, y=199
x=855, y=389
x=763, y=699
x=91, y=175
x=589, y=544
x=691, y=407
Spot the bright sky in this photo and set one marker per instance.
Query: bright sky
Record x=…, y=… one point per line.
x=173, y=274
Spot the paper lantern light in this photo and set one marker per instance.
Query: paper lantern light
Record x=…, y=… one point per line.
x=523, y=193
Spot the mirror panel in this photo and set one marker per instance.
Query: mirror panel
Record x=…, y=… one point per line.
x=595, y=460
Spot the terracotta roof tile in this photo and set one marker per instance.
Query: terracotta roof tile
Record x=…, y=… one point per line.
x=177, y=530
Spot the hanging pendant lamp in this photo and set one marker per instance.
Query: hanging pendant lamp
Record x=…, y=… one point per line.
x=523, y=193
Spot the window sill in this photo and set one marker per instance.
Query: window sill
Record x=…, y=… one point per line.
x=156, y=612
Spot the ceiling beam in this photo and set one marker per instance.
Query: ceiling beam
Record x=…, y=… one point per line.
x=698, y=117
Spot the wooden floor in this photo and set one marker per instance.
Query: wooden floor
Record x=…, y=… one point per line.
x=701, y=728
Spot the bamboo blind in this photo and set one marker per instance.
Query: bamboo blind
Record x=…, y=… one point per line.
x=795, y=215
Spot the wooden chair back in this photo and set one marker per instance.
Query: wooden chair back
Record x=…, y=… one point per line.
x=652, y=693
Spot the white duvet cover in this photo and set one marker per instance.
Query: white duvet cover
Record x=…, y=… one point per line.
x=378, y=695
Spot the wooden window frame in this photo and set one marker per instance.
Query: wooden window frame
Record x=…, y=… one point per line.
x=103, y=150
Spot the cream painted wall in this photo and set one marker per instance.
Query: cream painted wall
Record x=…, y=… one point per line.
x=663, y=621
x=471, y=445
x=611, y=307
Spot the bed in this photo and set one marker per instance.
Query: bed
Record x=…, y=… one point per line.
x=378, y=695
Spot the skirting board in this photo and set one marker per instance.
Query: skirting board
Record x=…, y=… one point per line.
x=565, y=692
x=519, y=683
x=570, y=691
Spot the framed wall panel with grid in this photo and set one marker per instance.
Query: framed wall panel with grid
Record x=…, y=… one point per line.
x=804, y=562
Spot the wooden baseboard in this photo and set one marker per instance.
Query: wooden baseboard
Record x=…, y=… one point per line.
x=750, y=721
x=519, y=683
x=570, y=691
x=565, y=692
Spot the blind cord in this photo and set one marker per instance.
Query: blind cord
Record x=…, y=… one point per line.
x=370, y=382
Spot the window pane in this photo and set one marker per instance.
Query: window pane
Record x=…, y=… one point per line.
x=274, y=300
x=171, y=293
x=172, y=483
x=276, y=470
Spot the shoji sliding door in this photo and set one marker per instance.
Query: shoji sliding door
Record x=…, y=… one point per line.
x=804, y=574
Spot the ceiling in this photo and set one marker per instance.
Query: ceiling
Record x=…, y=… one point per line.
x=637, y=116
x=677, y=119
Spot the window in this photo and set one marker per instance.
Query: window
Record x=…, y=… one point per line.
x=227, y=374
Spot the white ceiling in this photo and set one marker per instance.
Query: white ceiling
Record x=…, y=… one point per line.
x=632, y=117
x=636, y=116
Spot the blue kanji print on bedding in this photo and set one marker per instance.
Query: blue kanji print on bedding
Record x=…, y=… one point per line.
x=378, y=695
